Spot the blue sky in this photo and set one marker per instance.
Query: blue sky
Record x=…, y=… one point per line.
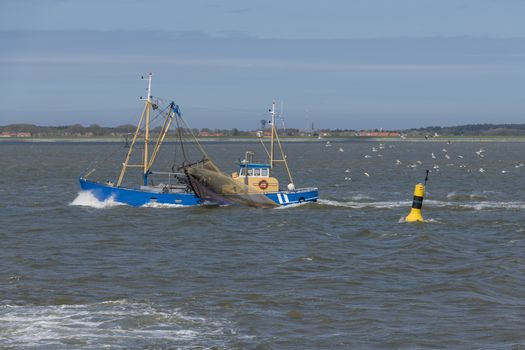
x=341, y=64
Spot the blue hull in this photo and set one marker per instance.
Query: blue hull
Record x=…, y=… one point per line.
x=137, y=198
x=294, y=197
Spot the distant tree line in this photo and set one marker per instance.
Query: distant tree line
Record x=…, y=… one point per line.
x=69, y=130
x=471, y=130
x=78, y=130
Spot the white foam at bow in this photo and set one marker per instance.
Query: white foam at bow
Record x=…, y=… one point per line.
x=87, y=199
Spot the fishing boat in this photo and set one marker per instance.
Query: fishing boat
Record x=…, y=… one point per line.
x=192, y=182
x=172, y=188
x=257, y=176
x=253, y=184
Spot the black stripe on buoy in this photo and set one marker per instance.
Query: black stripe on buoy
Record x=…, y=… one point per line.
x=417, y=203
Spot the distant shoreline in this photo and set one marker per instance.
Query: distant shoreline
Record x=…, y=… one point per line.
x=283, y=139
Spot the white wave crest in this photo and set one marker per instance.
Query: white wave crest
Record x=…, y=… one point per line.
x=476, y=205
x=494, y=205
x=102, y=324
x=87, y=199
x=402, y=220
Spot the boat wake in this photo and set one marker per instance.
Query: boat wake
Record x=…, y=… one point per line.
x=463, y=205
x=289, y=206
x=87, y=199
x=119, y=324
x=362, y=205
x=162, y=205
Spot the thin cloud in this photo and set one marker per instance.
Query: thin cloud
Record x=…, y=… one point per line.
x=242, y=63
x=239, y=11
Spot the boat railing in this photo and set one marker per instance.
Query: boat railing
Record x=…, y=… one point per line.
x=174, y=180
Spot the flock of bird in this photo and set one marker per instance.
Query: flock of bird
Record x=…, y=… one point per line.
x=444, y=153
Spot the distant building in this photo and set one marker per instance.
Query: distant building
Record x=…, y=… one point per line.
x=367, y=133
x=210, y=134
x=15, y=134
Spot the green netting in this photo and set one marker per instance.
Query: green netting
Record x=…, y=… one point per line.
x=211, y=183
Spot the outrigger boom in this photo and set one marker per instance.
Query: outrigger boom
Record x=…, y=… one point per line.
x=175, y=191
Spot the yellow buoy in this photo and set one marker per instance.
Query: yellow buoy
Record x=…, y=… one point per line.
x=417, y=204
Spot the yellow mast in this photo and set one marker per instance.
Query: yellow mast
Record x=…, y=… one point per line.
x=128, y=156
x=146, y=114
x=146, y=132
x=275, y=136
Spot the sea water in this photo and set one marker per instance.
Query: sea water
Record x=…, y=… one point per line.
x=345, y=272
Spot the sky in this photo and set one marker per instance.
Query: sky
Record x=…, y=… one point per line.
x=354, y=64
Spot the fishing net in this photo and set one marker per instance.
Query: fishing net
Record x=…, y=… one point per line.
x=210, y=183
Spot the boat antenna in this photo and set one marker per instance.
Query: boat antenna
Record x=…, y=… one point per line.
x=146, y=130
x=282, y=117
x=272, y=121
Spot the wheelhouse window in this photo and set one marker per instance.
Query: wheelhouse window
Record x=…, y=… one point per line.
x=256, y=172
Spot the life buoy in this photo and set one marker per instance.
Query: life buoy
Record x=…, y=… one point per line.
x=263, y=184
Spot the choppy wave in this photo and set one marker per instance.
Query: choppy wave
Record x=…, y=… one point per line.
x=114, y=324
x=87, y=199
x=361, y=197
